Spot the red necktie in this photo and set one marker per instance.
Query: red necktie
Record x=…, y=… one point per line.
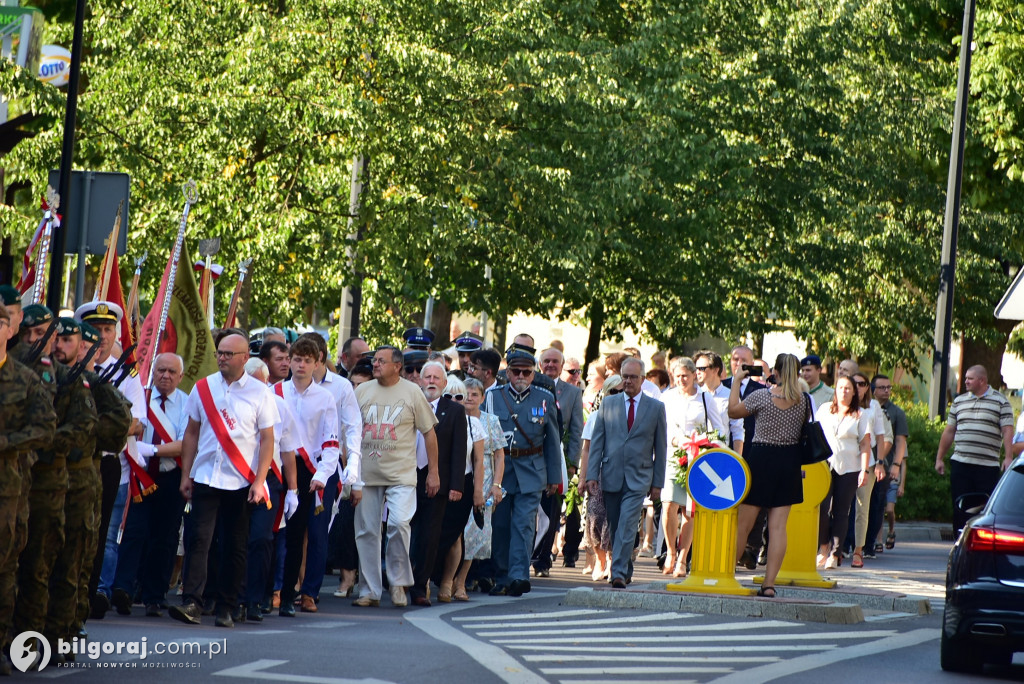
x=630, y=415
x=153, y=467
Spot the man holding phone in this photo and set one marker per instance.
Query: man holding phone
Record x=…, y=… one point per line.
x=743, y=357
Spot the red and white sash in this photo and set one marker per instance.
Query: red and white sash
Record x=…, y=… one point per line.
x=163, y=429
x=306, y=458
x=220, y=430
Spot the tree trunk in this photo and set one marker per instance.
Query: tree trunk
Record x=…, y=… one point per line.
x=500, y=323
x=976, y=352
x=593, y=351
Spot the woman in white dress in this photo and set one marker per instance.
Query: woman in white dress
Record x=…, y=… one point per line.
x=686, y=409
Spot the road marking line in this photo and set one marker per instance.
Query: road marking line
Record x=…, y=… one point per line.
x=722, y=637
x=627, y=681
x=489, y=656
x=325, y=625
x=630, y=670
x=731, y=627
x=680, y=649
x=767, y=673
x=533, y=616
x=255, y=670
x=546, y=621
x=647, y=658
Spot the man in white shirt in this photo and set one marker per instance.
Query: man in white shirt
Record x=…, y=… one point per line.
x=710, y=367
x=265, y=522
x=150, y=539
x=225, y=456
x=316, y=414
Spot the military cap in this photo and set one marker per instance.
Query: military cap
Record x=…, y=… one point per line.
x=99, y=312
x=811, y=360
x=89, y=333
x=36, y=314
x=468, y=342
x=10, y=295
x=518, y=357
x=414, y=357
x=418, y=338
x=68, y=326
x=522, y=347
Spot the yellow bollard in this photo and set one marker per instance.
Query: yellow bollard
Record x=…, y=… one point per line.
x=718, y=480
x=799, y=567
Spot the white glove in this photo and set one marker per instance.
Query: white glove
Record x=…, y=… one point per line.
x=147, y=450
x=291, y=503
x=350, y=475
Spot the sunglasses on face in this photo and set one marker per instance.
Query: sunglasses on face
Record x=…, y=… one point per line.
x=456, y=397
x=860, y=383
x=573, y=371
x=409, y=370
x=702, y=368
x=614, y=392
x=520, y=372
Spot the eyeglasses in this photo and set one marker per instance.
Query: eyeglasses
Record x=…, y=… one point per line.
x=573, y=371
x=702, y=368
x=860, y=383
x=409, y=370
x=229, y=354
x=883, y=388
x=519, y=372
x=456, y=397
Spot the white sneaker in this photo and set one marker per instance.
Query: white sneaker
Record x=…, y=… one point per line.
x=398, y=598
x=831, y=563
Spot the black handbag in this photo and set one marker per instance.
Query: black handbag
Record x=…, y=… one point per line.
x=814, y=447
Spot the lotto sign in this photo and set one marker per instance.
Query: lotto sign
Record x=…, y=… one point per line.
x=54, y=65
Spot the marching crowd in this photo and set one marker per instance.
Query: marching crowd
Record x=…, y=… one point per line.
x=395, y=469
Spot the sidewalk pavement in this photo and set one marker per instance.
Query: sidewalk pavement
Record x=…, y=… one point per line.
x=909, y=580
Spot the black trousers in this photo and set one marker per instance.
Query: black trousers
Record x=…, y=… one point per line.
x=341, y=541
x=834, y=514
x=573, y=537
x=552, y=505
x=110, y=477
x=230, y=510
x=295, y=533
x=426, y=525
x=150, y=540
x=968, y=478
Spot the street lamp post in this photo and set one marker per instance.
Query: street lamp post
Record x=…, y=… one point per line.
x=951, y=226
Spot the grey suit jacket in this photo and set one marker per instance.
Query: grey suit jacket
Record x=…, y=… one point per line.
x=570, y=401
x=628, y=459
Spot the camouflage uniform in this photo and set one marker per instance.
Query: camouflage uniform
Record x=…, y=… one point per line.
x=27, y=422
x=114, y=421
x=76, y=417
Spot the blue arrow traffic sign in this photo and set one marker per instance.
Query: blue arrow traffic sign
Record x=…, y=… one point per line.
x=718, y=479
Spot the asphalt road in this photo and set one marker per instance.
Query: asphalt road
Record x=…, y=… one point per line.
x=535, y=639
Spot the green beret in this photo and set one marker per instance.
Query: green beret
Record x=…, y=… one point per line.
x=10, y=295
x=36, y=314
x=67, y=326
x=89, y=333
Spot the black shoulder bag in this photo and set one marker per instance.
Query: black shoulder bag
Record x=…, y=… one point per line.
x=814, y=448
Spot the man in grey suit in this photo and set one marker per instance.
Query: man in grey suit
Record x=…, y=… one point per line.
x=570, y=405
x=627, y=460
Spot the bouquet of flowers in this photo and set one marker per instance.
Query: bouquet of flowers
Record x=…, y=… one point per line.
x=573, y=498
x=700, y=439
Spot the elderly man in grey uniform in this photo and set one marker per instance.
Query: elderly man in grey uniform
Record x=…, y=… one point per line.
x=528, y=416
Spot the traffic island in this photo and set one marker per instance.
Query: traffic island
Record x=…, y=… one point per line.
x=790, y=603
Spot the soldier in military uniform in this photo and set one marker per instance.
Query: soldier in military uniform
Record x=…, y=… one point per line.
x=114, y=420
x=80, y=502
x=76, y=418
x=27, y=422
x=12, y=300
x=527, y=414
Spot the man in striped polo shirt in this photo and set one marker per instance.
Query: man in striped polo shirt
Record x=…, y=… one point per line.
x=980, y=421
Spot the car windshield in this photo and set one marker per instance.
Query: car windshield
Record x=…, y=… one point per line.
x=1009, y=499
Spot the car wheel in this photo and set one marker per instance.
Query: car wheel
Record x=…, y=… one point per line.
x=957, y=657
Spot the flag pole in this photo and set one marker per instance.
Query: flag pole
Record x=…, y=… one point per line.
x=191, y=196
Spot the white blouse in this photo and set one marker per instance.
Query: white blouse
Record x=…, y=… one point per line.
x=844, y=434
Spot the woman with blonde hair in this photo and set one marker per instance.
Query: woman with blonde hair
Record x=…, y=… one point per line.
x=774, y=456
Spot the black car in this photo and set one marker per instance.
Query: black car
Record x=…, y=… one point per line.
x=983, y=621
